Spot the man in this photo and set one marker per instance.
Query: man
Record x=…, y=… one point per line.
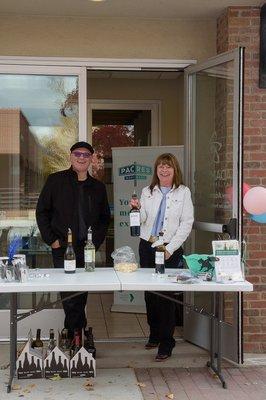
x=73, y=199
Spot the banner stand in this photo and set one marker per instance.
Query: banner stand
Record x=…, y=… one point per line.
x=133, y=170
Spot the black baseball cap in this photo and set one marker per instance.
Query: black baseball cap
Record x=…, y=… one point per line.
x=78, y=145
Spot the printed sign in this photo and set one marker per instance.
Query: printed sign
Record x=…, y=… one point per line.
x=132, y=171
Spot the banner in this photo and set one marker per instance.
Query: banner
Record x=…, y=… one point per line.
x=132, y=171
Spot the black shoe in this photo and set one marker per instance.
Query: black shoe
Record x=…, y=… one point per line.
x=151, y=345
x=162, y=357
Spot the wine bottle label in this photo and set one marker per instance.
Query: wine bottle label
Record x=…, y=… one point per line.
x=134, y=219
x=89, y=256
x=70, y=265
x=159, y=257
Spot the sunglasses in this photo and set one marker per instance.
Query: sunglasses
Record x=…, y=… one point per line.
x=79, y=154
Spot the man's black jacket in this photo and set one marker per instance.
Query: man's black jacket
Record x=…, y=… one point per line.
x=57, y=208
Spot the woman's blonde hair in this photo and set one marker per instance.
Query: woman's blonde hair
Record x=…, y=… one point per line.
x=168, y=159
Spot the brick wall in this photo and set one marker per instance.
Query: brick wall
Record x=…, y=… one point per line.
x=240, y=26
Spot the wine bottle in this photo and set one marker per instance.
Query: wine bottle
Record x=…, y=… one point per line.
x=64, y=343
x=51, y=344
x=134, y=219
x=89, y=253
x=89, y=342
x=20, y=369
x=91, y=370
x=38, y=368
x=47, y=367
x=160, y=256
x=26, y=364
x=37, y=343
x=79, y=364
x=65, y=368
x=33, y=366
x=76, y=343
x=60, y=365
x=69, y=257
x=53, y=364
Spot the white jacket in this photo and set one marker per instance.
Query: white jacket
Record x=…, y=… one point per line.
x=178, y=218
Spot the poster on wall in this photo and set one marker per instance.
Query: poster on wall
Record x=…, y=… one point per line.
x=132, y=171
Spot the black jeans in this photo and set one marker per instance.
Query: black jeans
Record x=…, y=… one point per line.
x=162, y=314
x=75, y=317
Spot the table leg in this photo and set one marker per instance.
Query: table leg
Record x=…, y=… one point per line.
x=212, y=344
x=13, y=339
x=216, y=326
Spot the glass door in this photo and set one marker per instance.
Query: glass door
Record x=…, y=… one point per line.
x=41, y=116
x=214, y=174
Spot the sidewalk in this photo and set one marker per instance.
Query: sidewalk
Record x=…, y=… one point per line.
x=125, y=371
x=244, y=383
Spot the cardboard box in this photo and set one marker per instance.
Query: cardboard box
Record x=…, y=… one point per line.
x=30, y=363
x=82, y=364
x=56, y=363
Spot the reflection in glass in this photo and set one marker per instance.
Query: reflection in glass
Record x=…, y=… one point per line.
x=38, y=124
x=213, y=155
x=214, y=144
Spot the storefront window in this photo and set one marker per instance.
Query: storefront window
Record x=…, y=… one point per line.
x=38, y=123
x=213, y=152
x=213, y=176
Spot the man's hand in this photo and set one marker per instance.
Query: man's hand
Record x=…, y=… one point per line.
x=55, y=244
x=135, y=203
x=167, y=255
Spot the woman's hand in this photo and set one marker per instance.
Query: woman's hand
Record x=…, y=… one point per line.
x=55, y=244
x=167, y=255
x=135, y=203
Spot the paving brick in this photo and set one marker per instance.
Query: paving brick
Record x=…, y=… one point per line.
x=159, y=383
x=148, y=391
x=245, y=383
x=174, y=384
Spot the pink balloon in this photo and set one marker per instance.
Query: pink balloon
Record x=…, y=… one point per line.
x=255, y=200
x=246, y=188
x=229, y=191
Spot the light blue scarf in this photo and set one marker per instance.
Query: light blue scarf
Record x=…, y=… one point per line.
x=158, y=224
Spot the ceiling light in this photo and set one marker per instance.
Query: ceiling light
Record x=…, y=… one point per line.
x=97, y=0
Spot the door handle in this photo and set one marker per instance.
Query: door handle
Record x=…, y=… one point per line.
x=231, y=228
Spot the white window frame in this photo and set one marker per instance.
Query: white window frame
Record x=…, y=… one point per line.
x=123, y=64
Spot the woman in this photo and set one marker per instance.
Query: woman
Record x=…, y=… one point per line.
x=165, y=206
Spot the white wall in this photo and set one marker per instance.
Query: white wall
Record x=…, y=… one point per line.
x=113, y=37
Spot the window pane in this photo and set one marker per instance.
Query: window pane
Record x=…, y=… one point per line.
x=115, y=128
x=213, y=152
x=38, y=124
x=214, y=144
x=213, y=176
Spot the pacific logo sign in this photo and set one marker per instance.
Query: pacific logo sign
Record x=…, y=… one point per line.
x=135, y=172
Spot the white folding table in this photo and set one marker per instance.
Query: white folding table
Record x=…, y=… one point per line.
x=145, y=279
x=107, y=279
x=54, y=280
